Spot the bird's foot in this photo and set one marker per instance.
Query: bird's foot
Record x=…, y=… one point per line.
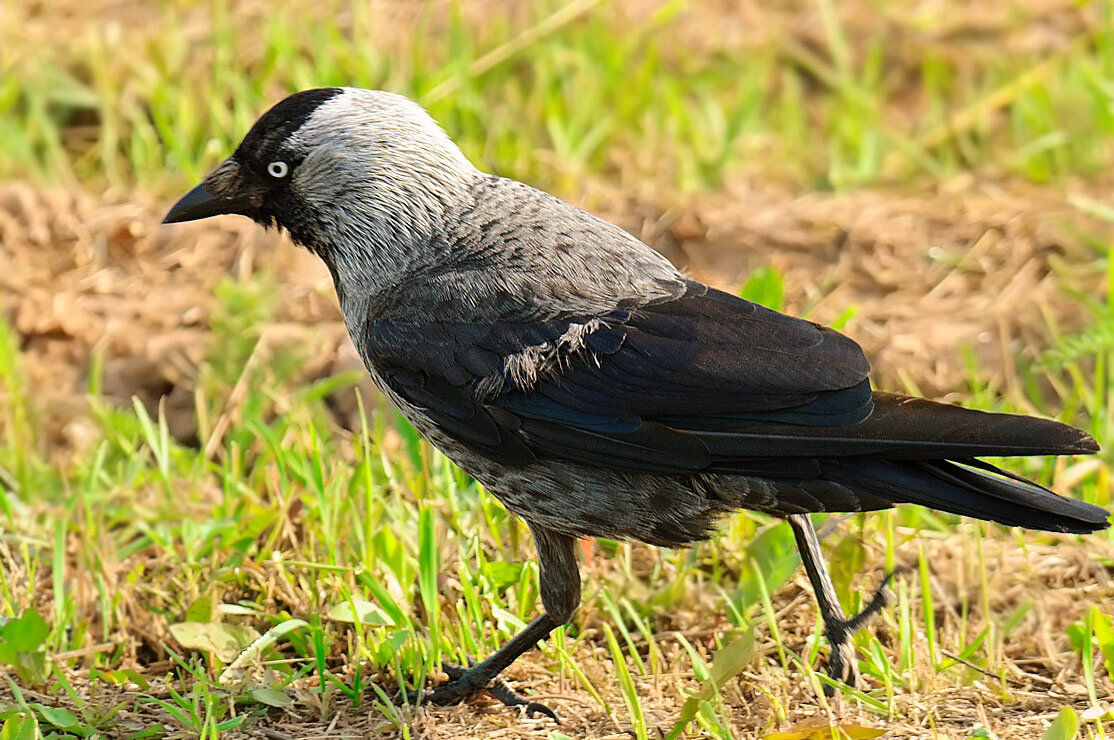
x=466, y=682
x=842, y=665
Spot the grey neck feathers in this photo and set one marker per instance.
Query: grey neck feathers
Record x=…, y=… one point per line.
x=382, y=181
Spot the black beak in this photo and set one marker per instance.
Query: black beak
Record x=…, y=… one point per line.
x=200, y=203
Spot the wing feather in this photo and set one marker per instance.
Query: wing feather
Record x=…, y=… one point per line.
x=630, y=388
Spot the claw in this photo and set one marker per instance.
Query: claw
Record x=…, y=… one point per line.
x=463, y=684
x=511, y=698
x=877, y=600
x=842, y=666
x=457, y=689
x=454, y=671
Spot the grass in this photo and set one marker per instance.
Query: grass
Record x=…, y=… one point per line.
x=287, y=573
x=554, y=92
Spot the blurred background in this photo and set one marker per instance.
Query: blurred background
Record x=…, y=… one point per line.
x=190, y=456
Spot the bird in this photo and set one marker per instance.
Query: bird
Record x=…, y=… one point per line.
x=591, y=386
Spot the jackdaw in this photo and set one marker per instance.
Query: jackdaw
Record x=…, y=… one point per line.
x=592, y=387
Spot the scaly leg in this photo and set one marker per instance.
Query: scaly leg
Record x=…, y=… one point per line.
x=838, y=627
x=559, y=582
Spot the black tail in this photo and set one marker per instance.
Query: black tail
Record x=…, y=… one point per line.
x=971, y=488
x=934, y=464
x=916, y=451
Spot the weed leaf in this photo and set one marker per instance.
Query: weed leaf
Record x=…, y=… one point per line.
x=225, y=641
x=727, y=663
x=819, y=729
x=60, y=717
x=271, y=697
x=359, y=610
x=1064, y=727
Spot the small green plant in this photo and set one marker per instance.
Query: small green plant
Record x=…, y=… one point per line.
x=1095, y=631
x=23, y=646
x=1064, y=727
x=19, y=725
x=765, y=287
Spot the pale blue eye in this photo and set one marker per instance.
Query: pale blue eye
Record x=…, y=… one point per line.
x=277, y=169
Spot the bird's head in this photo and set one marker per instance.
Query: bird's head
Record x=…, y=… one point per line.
x=352, y=174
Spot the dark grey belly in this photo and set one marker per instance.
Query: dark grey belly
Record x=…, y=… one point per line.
x=586, y=501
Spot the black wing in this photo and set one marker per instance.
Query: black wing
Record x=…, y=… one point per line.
x=654, y=389
x=711, y=383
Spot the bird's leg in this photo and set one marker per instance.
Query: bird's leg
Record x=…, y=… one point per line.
x=559, y=582
x=838, y=627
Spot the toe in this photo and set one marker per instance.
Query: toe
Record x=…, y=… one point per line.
x=504, y=693
x=463, y=683
x=536, y=707
x=453, y=671
x=450, y=693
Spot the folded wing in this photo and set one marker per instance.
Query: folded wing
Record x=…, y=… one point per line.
x=710, y=383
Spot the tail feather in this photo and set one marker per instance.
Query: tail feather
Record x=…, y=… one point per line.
x=970, y=488
x=911, y=450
